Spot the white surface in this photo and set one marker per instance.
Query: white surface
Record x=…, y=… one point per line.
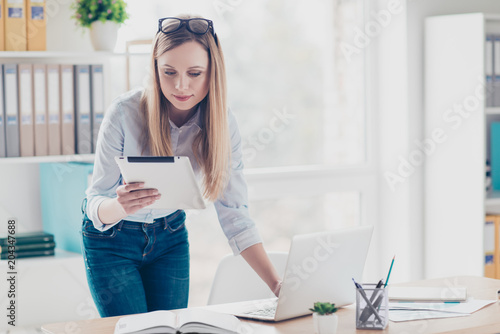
x=454, y=184
x=165, y=176
x=49, y=289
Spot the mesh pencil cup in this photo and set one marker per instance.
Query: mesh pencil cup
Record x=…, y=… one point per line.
x=372, y=307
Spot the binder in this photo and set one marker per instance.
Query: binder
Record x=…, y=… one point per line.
x=15, y=25
x=40, y=109
x=27, y=128
x=83, y=134
x=97, y=96
x=495, y=154
x=2, y=116
x=496, y=70
x=490, y=91
x=12, y=138
x=36, y=25
x=497, y=247
x=2, y=25
x=489, y=246
x=54, y=109
x=67, y=110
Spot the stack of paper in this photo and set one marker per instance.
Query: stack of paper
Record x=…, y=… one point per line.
x=405, y=311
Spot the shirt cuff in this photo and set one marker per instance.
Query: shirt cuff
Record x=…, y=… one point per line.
x=245, y=239
x=97, y=222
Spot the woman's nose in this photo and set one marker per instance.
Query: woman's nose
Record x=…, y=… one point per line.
x=182, y=83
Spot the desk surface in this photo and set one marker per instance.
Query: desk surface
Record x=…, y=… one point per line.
x=486, y=320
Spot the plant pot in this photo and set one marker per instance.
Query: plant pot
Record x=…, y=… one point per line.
x=325, y=324
x=103, y=35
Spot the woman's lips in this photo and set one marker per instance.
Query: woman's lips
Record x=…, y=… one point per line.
x=182, y=98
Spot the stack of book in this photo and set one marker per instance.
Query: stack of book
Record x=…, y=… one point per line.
x=27, y=244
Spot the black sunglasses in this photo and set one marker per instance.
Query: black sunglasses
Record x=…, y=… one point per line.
x=198, y=26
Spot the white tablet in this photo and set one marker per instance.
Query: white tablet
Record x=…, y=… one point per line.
x=172, y=176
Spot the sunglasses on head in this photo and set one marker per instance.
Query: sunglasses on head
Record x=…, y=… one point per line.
x=198, y=26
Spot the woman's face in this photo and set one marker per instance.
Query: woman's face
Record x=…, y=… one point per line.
x=184, y=76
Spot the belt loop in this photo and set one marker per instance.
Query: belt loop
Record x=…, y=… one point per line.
x=165, y=222
x=119, y=225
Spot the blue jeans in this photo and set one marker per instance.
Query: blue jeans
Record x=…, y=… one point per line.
x=138, y=267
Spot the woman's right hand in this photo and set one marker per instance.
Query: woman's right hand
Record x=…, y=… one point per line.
x=132, y=197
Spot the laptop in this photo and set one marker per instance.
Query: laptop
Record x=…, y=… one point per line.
x=320, y=267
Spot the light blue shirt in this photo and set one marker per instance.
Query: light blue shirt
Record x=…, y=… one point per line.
x=120, y=135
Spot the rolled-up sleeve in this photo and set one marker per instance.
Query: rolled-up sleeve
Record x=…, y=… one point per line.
x=106, y=175
x=232, y=206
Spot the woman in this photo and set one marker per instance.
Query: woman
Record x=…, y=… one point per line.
x=137, y=259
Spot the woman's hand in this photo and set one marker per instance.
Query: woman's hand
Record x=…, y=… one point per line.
x=277, y=288
x=132, y=197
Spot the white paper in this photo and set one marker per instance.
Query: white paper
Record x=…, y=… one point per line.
x=406, y=311
x=405, y=315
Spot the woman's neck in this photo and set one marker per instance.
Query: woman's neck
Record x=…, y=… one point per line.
x=180, y=117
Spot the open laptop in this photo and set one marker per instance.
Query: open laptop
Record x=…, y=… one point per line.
x=320, y=267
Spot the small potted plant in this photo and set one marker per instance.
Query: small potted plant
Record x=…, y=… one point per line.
x=324, y=318
x=103, y=18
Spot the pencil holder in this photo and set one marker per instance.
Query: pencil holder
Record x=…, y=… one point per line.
x=372, y=307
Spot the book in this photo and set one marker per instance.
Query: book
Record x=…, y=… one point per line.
x=28, y=253
x=26, y=238
x=29, y=247
x=183, y=321
x=428, y=294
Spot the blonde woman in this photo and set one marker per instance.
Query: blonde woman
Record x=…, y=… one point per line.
x=137, y=259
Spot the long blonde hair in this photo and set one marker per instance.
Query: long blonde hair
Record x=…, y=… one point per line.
x=211, y=146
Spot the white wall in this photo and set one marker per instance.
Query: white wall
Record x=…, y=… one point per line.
x=62, y=32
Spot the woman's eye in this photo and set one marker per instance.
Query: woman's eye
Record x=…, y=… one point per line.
x=195, y=74
x=169, y=73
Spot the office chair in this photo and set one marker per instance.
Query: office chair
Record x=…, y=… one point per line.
x=236, y=281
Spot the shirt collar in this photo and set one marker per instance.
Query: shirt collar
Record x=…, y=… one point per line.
x=194, y=120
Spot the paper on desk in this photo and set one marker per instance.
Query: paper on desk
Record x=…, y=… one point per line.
x=407, y=315
x=415, y=311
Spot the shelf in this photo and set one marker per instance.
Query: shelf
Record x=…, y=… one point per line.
x=493, y=111
x=51, y=158
x=65, y=54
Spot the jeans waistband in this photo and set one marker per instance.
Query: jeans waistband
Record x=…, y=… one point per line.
x=158, y=222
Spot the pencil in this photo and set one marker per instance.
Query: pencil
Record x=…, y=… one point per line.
x=389, y=273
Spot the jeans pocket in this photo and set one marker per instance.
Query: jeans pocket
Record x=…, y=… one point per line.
x=88, y=230
x=177, y=224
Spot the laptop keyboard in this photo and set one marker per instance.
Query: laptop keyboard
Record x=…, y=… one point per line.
x=268, y=311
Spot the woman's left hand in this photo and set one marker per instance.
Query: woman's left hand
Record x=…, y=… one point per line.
x=277, y=288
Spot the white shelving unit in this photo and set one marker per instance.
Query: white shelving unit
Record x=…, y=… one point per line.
x=455, y=197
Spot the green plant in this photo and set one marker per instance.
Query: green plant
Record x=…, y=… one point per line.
x=324, y=308
x=88, y=11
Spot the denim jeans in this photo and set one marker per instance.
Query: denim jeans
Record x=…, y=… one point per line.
x=138, y=267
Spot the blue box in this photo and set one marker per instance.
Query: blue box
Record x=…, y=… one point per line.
x=62, y=190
